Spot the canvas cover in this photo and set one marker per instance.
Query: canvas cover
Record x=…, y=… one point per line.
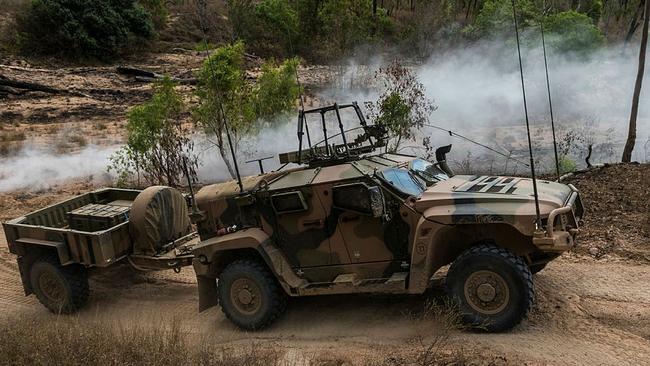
x=159, y=215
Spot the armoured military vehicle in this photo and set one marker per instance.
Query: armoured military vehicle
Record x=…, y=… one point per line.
x=350, y=219
x=347, y=218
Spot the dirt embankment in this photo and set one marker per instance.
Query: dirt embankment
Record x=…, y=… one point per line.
x=617, y=202
x=590, y=309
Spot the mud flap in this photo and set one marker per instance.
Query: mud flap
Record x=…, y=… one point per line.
x=208, y=293
x=23, y=267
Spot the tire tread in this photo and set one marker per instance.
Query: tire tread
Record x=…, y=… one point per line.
x=518, y=264
x=278, y=300
x=77, y=279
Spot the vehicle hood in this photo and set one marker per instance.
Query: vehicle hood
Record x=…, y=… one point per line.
x=490, y=198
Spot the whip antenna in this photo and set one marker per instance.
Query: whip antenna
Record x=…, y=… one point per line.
x=201, y=9
x=538, y=220
x=548, y=89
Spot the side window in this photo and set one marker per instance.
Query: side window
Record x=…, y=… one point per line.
x=354, y=197
x=288, y=202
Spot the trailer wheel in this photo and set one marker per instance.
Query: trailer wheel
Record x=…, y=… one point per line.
x=492, y=287
x=249, y=295
x=63, y=290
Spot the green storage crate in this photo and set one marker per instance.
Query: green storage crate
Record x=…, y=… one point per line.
x=96, y=217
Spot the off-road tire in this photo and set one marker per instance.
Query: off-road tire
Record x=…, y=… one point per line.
x=273, y=300
x=68, y=283
x=495, y=263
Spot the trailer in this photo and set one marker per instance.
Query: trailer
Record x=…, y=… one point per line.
x=59, y=246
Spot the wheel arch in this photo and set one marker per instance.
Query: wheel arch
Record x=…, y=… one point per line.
x=213, y=255
x=451, y=241
x=31, y=254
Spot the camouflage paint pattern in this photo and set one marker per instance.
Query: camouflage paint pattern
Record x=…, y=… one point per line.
x=320, y=246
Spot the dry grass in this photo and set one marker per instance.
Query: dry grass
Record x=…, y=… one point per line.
x=10, y=136
x=69, y=341
x=10, y=148
x=66, y=341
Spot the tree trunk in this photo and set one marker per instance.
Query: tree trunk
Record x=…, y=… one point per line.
x=224, y=155
x=631, y=134
x=634, y=24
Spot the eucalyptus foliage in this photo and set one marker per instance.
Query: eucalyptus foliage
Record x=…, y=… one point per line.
x=157, y=143
x=227, y=100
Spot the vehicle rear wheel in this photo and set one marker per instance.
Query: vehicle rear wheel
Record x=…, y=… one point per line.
x=63, y=290
x=492, y=287
x=249, y=295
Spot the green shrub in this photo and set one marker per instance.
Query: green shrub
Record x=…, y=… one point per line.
x=593, y=9
x=157, y=142
x=158, y=11
x=567, y=165
x=350, y=23
x=312, y=28
x=83, y=28
x=277, y=89
x=495, y=18
x=573, y=32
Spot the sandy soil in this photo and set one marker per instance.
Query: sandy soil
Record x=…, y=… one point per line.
x=587, y=312
x=591, y=308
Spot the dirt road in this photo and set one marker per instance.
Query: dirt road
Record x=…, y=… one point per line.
x=587, y=312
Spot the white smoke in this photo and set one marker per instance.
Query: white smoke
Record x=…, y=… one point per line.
x=37, y=169
x=478, y=94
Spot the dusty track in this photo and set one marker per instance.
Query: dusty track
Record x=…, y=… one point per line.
x=587, y=312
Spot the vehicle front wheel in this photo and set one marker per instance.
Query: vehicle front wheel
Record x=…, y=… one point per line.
x=492, y=287
x=63, y=290
x=249, y=295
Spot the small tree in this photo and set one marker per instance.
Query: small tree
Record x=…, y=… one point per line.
x=228, y=100
x=573, y=32
x=402, y=106
x=157, y=142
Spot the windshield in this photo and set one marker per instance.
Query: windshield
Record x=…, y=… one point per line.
x=404, y=181
x=428, y=171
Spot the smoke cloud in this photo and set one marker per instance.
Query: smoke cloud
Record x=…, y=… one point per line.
x=37, y=169
x=478, y=94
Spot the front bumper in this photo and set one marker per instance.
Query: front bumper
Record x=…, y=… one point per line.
x=562, y=225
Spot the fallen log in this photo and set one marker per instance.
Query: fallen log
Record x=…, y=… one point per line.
x=131, y=71
x=10, y=90
x=146, y=76
x=5, y=81
x=29, y=86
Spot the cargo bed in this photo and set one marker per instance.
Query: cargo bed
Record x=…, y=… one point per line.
x=50, y=228
x=66, y=239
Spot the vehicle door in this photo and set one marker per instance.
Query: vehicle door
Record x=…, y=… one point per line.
x=364, y=230
x=301, y=225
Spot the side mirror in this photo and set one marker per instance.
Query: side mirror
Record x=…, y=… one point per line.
x=376, y=201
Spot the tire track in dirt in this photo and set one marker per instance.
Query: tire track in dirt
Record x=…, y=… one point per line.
x=12, y=296
x=586, y=312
